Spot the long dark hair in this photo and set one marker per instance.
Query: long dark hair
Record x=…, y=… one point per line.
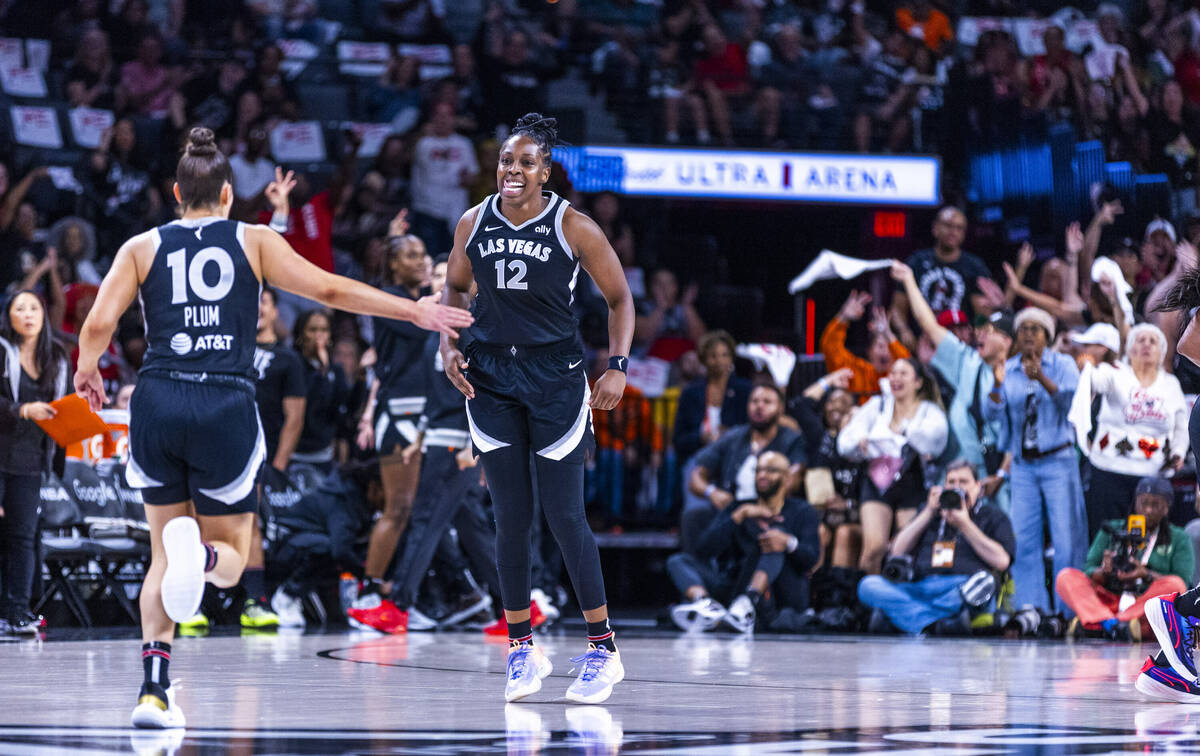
x=298, y=338
x=929, y=390
x=48, y=352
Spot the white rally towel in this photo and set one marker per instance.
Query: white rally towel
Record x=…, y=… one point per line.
x=1107, y=266
x=830, y=264
x=777, y=359
x=1080, y=414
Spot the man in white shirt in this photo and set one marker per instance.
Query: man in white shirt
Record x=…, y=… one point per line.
x=444, y=166
x=252, y=168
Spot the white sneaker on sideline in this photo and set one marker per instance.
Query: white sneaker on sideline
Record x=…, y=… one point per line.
x=699, y=615
x=741, y=614
x=149, y=712
x=546, y=605
x=288, y=608
x=183, y=580
x=419, y=621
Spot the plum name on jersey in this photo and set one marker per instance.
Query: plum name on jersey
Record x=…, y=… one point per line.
x=201, y=315
x=527, y=247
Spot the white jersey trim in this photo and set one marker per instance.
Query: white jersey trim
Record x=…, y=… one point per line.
x=534, y=219
x=562, y=238
x=243, y=484
x=137, y=477
x=482, y=440
x=483, y=206
x=567, y=444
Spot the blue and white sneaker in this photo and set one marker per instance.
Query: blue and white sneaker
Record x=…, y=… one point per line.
x=1174, y=633
x=1164, y=683
x=601, y=670
x=527, y=666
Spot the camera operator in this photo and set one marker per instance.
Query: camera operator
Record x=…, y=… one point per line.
x=931, y=572
x=1123, y=571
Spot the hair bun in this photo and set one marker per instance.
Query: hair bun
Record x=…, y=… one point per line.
x=201, y=142
x=536, y=123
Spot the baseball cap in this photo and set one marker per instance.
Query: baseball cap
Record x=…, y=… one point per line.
x=1002, y=321
x=1157, y=486
x=949, y=318
x=1100, y=333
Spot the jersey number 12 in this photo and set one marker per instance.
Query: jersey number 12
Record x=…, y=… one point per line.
x=183, y=274
x=517, y=282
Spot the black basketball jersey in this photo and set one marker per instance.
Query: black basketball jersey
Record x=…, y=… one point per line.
x=398, y=346
x=200, y=299
x=526, y=276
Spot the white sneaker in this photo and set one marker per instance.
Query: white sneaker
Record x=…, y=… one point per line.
x=741, y=614
x=149, y=712
x=527, y=666
x=601, y=670
x=546, y=605
x=288, y=608
x=419, y=621
x=699, y=615
x=156, y=742
x=594, y=729
x=524, y=732
x=183, y=580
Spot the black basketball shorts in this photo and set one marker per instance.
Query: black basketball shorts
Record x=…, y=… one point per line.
x=535, y=397
x=396, y=421
x=197, y=437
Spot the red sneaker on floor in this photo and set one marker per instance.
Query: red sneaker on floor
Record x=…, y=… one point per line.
x=385, y=617
x=500, y=626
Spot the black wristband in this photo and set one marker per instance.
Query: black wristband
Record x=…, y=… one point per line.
x=618, y=363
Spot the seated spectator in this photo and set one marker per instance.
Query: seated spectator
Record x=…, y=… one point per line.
x=668, y=325
x=253, y=169
x=711, y=405
x=444, y=167
x=91, y=78
x=127, y=29
x=75, y=240
x=881, y=352
x=895, y=434
x=666, y=80
x=945, y=547
x=275, y=92
x=785, y=87
x=1030, y=400
x=724, y=470
x=147, y=84
x=721, y=76
x=212, y=100
x=121, y=185
x=514, y=74
x=882, y=107
x=606, y=211
x=1141, y=429
x=770, y=544
x=396, y=97
x=1163, y=563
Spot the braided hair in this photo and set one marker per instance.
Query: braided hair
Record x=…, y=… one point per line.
x=542, y=130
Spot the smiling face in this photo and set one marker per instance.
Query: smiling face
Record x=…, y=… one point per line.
x=904, y=379
x=26, y=315
x=407, y=263
x=837, y=405
x=770, y=473
x=521, y=170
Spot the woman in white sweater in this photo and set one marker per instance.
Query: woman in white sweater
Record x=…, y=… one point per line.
x=1142, y=428
x=894, y=434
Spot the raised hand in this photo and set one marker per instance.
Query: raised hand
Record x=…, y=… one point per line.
x=1074, y=239
x=1025, y=256
x=991, y=292
x=855, y=306
x=1108, y=212
x=278, y=190
x=399, y=224
x=901, y=273
x=839, y=378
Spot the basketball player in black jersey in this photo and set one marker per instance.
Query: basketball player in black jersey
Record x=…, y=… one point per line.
x=195, y=439
x=521, y=368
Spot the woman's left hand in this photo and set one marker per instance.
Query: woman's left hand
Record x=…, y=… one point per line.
x=90, y=386
x=608, y=390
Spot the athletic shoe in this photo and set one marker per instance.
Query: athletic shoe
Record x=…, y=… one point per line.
x=524, y=732
x=465, y=607
x=418, y=621
x=741, y=614
x=156, y=742
x=26, y=623
x=699, y=615
x=377, y=613
x=543, y=602
x=156, y=708
x=288, y=608
x=594, y=729
x=183, y=580
x=601, y=670
x=500, y=626
x=526, y=667
x=256, y=616
x=1164, y=683
x=1174, y=633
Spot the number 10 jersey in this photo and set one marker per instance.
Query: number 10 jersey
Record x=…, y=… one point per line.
x=200, y=299
x=526, y=276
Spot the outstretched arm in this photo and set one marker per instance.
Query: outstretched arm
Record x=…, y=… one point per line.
x=457, y=293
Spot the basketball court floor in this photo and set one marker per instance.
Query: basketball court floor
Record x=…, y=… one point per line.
x=712, y=695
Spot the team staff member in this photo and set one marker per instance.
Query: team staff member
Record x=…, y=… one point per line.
x=527, y=393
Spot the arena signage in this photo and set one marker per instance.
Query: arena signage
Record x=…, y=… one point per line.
x=796, y=177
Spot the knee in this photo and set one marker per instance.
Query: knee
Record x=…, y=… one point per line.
x=1068, y=578
x=1170, y=584
x=871, y=588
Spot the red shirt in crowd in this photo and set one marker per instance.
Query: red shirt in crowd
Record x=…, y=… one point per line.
x=310, y=230
x=729, y=70
x=1187, y=73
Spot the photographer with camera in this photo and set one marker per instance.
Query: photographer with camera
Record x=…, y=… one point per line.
x=1129, y=563
x=941, y=563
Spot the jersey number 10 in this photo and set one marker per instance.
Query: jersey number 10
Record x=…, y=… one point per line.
x=517, y=282
x=183, y=274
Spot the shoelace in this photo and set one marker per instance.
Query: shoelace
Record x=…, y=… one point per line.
x=593, y=662
x=516, y=662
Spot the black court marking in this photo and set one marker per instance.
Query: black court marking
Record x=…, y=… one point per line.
x=331, y=654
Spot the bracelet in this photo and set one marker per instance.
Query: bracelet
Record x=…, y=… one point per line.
x=279, y=222
x=21, y=411
x=618, y=363
x=708, y=490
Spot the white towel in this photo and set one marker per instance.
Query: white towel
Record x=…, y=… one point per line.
x=833, y=265
x=1106, y=266
x=1080, y=415
x=777, y=359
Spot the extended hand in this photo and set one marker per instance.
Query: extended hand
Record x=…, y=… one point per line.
x=90, y=386
x=455, y=366
x=608, y=390
x=433, y=316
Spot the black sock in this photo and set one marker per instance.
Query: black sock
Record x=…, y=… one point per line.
x=520, y=632
x=1188, y=604
x=255, y=584
x=369, y=586
x=156, y=657
x=601, y=635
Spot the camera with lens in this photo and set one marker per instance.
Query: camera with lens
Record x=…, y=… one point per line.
x=899, y=569
x=952, y=498
x=1126, y=543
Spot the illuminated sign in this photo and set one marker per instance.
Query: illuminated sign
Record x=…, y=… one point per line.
x=795, y=177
